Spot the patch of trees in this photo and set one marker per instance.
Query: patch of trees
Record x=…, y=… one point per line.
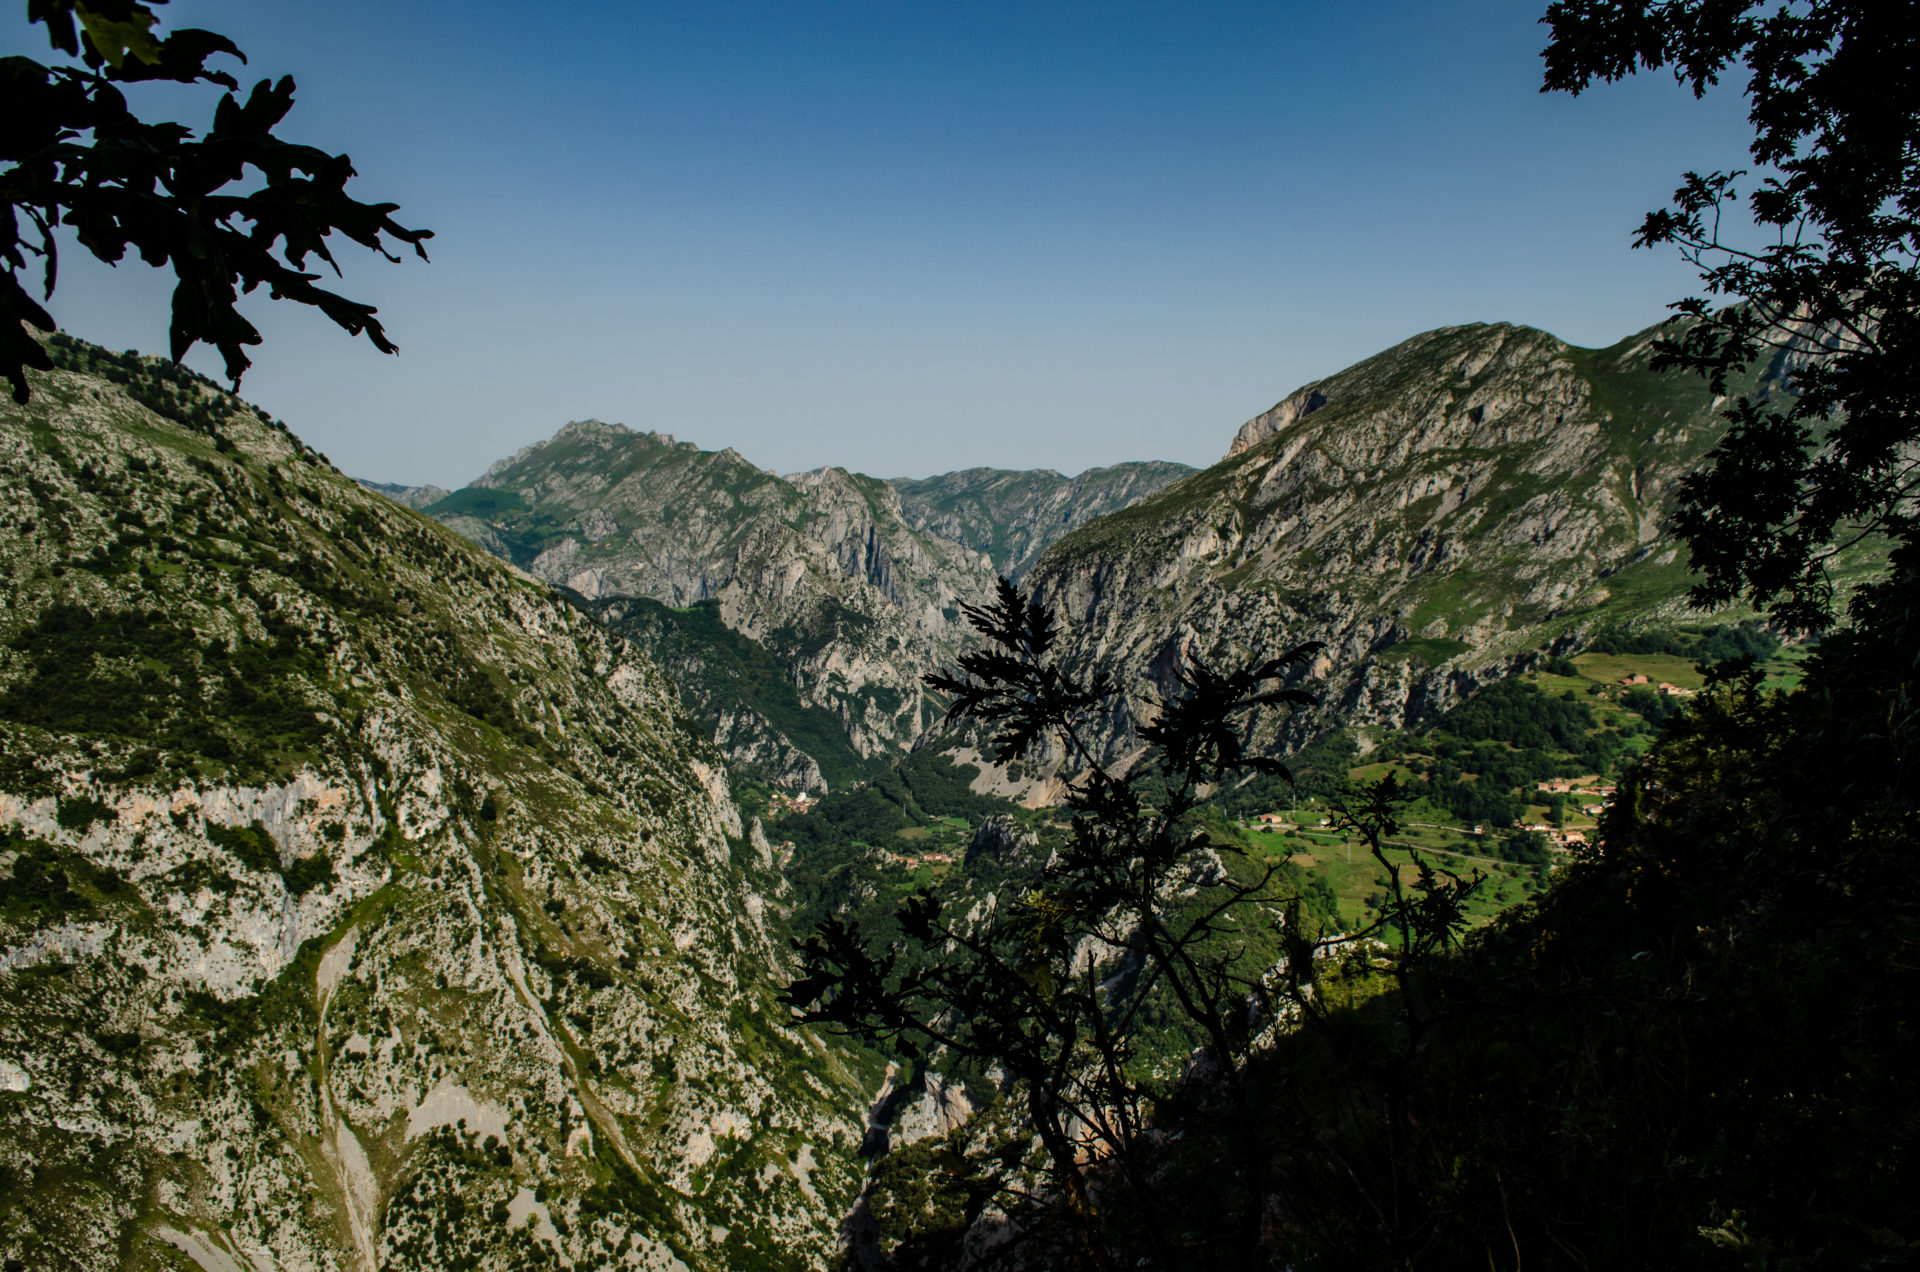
x=144, y=676
x=254, y=848
x=1515, y=711
x=38, y=884
x=1319, y=769
x=1749, y=639
x=1650, y=705
x=41, y=882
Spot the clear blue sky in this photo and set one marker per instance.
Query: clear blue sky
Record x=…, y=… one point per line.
x=910, y=237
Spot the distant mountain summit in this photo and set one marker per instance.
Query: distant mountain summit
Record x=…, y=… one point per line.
x=823, y=597
x=819, y=572
x=410, y=496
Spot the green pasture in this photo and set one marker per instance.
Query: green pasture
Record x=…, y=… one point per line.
x=1611, y=669
x=1358, y=880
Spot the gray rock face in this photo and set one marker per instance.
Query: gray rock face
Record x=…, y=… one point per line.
x=1265, y=425
x=362, y=904
x=408, y=496
x=1435, y=514
x=1012, y=516
x=820, y=568
x=1000, y=837
x=750, y=740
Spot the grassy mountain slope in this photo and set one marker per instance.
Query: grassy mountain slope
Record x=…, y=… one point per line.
x=1437, y=514
x=362, y=905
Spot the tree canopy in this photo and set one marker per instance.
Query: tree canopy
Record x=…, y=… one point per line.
x=1826, y=295
x=74, y=154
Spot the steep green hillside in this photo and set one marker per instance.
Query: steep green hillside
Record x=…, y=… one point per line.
x=362, y=905
x=743, y=695
x=1013, y=516
x=1438, y=514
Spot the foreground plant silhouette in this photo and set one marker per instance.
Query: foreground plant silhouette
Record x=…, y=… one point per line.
x=1827, y=291
x=1140, y=923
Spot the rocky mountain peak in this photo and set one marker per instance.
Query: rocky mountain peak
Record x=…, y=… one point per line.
x=1467, y=372
x=1290, y=410
x=1437, y=514
x=820, y=569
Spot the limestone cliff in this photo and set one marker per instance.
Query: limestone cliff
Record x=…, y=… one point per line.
x=362, y=904
x=1437, y=514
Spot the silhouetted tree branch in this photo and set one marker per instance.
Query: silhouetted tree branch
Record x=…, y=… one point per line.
x=73, y=154
x=1829, y=301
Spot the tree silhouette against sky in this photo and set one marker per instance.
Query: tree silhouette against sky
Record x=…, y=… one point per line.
x=75, y=155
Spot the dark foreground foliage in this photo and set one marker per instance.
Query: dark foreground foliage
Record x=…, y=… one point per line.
x=1139, y=927
x=1694, y=1051
x=1828, y=292
x=74, y=154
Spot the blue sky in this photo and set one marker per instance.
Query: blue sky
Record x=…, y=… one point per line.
x=911, y=237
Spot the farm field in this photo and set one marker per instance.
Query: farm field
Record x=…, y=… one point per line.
x=1359, y=884
x=1611, y=669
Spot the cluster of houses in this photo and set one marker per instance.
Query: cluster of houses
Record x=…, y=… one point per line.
x=781, y=802
x=912, y=860
x=1596, y=792
x=1640, y=678
x=1558, y=837
x=1593, y=792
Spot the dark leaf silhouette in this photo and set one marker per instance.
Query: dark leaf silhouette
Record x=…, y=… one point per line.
x=76, y=155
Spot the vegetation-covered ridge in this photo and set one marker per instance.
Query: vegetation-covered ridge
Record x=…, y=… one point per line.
x=362, y=903
x=1457, y=506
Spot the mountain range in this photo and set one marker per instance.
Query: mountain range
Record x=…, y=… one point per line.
x=382, y=882
x=839, y=591
x=1438, y=515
